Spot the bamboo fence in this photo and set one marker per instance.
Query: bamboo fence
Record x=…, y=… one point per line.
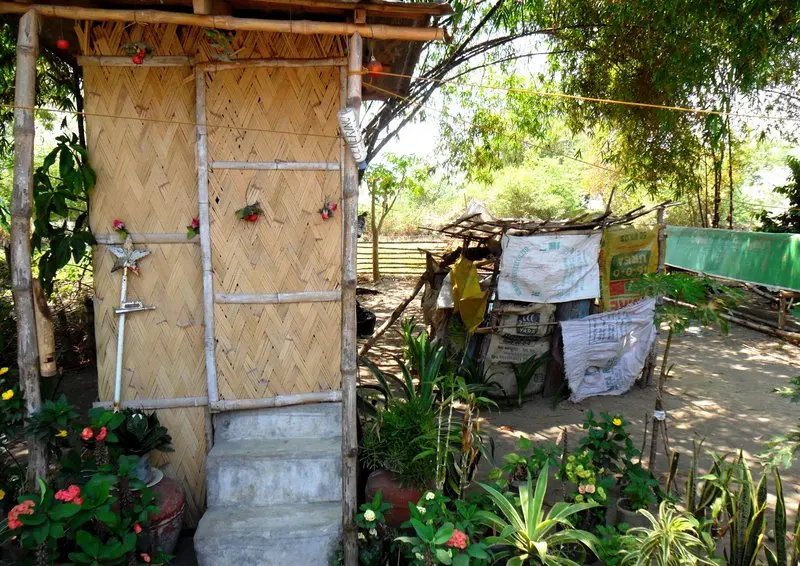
x=148, y=177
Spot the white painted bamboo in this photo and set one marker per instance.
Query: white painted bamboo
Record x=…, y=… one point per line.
x=276, y=165
x=213, y=66
x=123, y=296
x=154, y=61
x=277, y=401
x=21, y=211
x=278, y=298
x=152, y=404
x=300, y=27
x=349, y=344
x=147, y=238
x=205, y=236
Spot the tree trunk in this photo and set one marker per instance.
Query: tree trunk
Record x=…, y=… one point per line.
x=730, y=173
x=21, y=212
x=376, y=269
x=717, y=188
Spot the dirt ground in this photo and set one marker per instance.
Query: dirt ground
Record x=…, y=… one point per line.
x=720, y=390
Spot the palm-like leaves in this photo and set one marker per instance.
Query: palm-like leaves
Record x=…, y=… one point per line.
x=672, y=539
x=536, y=537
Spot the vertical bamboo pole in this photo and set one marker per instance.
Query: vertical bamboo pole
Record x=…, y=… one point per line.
x=21, y=212
x=205, y=237
x=650, y=362
x=349, y=281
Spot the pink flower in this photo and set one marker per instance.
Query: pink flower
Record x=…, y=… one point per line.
x=145, y=557
x=137, y=528
x=13, y=524
x=582, y=489
x=195, y=223
x=24, y=508
x=101, y=435
x=458, y=540
x=71, y=494
x=87, y=433
x=78, y=501
x=118, y=225
x=590, y=488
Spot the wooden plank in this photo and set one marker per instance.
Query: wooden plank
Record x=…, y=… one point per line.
x=155, y=61
x=214, y=66
x=21, y=212
x=278, y=298
x=397, y=9
x=352, y=80
x=277, y=401
x=300, y=27
x=209, y=341
x=275, y=165
x=147, y=238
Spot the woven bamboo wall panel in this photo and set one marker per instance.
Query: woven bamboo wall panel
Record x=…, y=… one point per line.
x=146, y=172
x=290, y=248
x=297, y=349
x=294, y=102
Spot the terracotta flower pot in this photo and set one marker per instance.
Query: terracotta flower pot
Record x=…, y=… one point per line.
x=393, y=492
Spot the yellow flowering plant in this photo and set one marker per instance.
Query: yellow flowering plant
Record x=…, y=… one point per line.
x=12, y=413
x=608, y=441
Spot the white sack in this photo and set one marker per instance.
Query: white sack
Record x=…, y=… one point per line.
x=445, y=298
x=550, y=268
x=605, y=353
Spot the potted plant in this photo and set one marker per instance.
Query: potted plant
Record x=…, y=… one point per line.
x=639, y=491
x=530, y=459
x=139, y=435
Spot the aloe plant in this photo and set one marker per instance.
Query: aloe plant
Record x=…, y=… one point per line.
x=672, y=539
x=533, y=536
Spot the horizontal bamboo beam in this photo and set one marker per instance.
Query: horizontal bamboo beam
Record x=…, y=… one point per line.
x=301, y=27
x=213, y=66
x=147, y=238
x=276, y=165
x=397, y=9
x=155, y=61
x=152, y=404
x=277, y=401
x=278, y=298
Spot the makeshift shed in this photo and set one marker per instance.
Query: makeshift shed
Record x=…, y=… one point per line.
x=198, y=110
x=531, y=301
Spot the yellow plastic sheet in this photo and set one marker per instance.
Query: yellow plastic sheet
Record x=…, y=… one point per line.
x=628, y=252
x=468, y=298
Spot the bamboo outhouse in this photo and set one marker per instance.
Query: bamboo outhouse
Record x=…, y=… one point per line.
x=248, y=353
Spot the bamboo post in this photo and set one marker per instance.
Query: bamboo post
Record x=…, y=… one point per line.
x=205, y=236
x=650, y=362
x=21, y=212
x=45, y=336
x=349, y=280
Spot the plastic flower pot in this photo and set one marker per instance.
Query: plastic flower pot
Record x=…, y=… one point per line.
x=394, y=493
x=144, y=469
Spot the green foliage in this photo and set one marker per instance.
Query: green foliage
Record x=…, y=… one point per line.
x=782, y=449
x=780, y=555
x=788, y=221
x=395, y=437
x=534, y=536
x=672, y=539
x=612, y=545
x=591, y=481
x=526, y=371
x=446, y=532
x=608, y=443
x=61, y=187
x=639, y=487
x=51, y=421
x=140, y=433
x=529, y=459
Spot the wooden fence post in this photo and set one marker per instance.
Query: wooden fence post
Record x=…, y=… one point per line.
x=349, y=280
x=21, y=212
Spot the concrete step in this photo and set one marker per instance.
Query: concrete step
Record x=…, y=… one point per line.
x=274, y=472
x=300, y=535
x=321, y=420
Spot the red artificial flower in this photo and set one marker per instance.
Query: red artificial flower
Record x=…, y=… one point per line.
x=195, y=223
x=137, y=528
x=145, y=557
x=87, y=433
x=458, y=540
x=118, y=225
x=332, y=206
x=101, y=436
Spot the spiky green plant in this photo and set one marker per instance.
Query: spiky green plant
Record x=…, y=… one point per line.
x=781, y=556
x=533, y=536
x=672, y=539
x=746, y=508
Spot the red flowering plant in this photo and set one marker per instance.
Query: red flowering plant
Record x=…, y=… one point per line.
x=119, y=228
x=446, y=532
x=193, y=229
